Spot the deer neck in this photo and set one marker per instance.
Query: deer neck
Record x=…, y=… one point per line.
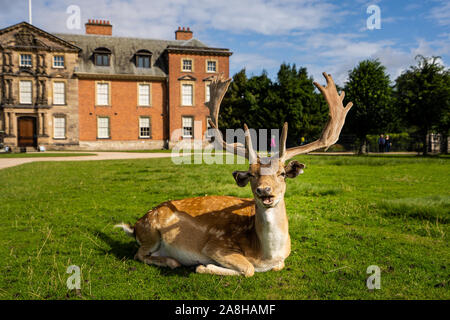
x=271, y=226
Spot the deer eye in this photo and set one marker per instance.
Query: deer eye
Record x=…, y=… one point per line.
x=283, y=174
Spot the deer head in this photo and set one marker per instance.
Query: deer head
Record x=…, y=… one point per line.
x=267, y=175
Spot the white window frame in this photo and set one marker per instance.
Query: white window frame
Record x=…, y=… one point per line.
x=100, y=96
x=24, y=62
x=207, y=91
x=185, y=95
x=141, y=95
x=183, y=118
x=59, y=127
x=100, y=128
x=183, y=66
x=207, y=66
x=22, y=92
x=59, y=98
x=144, y=126
x=58, y=64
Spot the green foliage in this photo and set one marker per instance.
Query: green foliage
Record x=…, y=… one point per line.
x=368, y=87
x=423, y=96
x=345, y=213
x=399, y=141
x=261, y=103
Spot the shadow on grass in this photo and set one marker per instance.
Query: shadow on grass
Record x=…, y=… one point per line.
x=127, y=250
x=121, y=250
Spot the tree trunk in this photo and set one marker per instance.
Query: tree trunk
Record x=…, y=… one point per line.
x=425, y=144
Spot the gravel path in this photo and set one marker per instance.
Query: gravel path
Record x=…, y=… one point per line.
x=11, y=162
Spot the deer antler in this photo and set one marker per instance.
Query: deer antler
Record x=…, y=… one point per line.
x=218, y=88
x=330, y=133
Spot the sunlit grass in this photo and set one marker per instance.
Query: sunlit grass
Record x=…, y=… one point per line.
x=345, y=213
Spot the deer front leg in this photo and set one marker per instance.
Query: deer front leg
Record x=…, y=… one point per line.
x=232, y=262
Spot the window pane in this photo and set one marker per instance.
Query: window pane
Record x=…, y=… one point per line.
x=207, y=93
x=187, y=65
x=25, y=60
x=102, y=94
x=58, y=61
x=59, y=127
x=103, y=127
x=143, y=62
x=102, y=59
x=25, y=92
x=187, y=126
x=211, y=66
x=144, y=95
x=187, y=95
x=59, y=93
x=144, y=127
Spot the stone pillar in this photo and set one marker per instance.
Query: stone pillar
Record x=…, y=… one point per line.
x=43, y=124
x=11, y=124
x=6, y=123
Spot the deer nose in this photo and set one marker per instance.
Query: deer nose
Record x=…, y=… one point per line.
x=263, y=190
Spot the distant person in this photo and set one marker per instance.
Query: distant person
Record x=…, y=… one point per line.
x=381, y=143
x=387, y=143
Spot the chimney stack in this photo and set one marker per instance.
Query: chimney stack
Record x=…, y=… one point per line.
x=100, y=27
x=183, y=34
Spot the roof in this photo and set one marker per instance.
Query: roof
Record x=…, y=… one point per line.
x=55, y=38
x=123, y=50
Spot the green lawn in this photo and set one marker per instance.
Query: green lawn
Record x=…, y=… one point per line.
x=42, y=155
x=345, y=214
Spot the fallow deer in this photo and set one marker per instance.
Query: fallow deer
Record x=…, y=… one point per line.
x=226, y=235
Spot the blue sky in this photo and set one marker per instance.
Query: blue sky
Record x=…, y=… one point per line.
x=321, y=35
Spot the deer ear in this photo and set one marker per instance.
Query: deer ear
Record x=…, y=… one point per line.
x=241, y=177
x=293, y=169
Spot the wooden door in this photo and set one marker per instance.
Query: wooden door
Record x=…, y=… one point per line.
x=26, y=132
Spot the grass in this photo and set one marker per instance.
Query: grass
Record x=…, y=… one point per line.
x=345, y=213
x=42, y=155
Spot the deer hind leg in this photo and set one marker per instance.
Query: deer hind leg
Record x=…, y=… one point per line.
x=231, y=262
x=145, y=255
x=150, y=240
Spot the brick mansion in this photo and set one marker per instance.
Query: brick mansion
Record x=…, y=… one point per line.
x=96, y=91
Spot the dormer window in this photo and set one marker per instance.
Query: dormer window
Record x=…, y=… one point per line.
x=102, y=57
x=143, y=59
x=25, y=60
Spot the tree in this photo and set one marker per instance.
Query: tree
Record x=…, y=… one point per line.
x=296, y=101
x=368, y=87
x=423, y=97
x=264, y=104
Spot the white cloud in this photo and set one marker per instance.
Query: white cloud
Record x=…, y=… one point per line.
x=441, y=13
x=158, y=19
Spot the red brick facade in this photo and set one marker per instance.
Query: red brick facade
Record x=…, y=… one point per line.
x=123, y=110
x=198, y=111
x=166, y=110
